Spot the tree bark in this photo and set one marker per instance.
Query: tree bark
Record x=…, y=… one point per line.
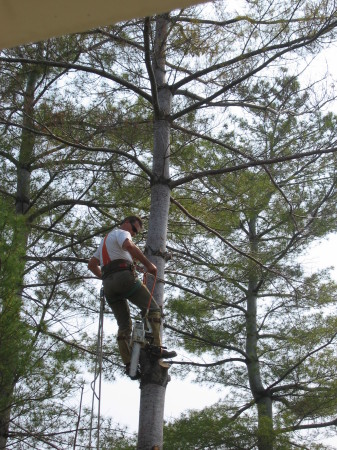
x=26, y=148
x=151, y=412
x=155, y=376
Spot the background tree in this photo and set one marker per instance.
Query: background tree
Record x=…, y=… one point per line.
x=13, y=333
x=265, y=327
x=44, y=187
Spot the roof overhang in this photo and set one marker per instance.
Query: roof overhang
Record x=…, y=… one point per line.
x=27, y=21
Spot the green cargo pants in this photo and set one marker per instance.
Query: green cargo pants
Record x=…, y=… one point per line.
x=118, y=288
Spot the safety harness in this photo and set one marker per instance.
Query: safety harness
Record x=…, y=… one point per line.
x=113, y=266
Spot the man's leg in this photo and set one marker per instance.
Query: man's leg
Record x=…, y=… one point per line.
x=114, y=285
x=140, y=298
x=121, y=311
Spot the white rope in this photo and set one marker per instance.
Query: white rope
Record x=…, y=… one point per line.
x=79, y=418
x=98, y=373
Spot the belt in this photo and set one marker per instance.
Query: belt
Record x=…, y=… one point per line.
x=115, y=266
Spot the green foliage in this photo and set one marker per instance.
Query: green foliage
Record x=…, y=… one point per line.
x=12, y=238
x=14, y=333
x=210, y=428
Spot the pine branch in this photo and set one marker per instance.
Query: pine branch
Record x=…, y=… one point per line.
x=257, y=163
x=299, y=362
x=82, y=68
x=286, y=47
x=225, y=241
x=209, y=299
x=308, y=426
x=213, y=364
x=208, y=341
x=48, y=133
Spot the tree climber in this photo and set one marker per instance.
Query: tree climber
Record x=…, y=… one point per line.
x=113, y=263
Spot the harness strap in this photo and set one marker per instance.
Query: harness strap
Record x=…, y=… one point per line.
x=154, y=319
x=112, y=265
x=105, y=254
x=116, y=266
x=137, y=285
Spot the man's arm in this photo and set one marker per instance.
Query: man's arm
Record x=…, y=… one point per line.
x=136, y=253
x=94, y=267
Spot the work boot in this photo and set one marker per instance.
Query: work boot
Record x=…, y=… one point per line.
x=157, y=352
x=166, y=354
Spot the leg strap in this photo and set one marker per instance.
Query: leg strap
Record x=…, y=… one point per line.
x=154, y=319
x=137, y=285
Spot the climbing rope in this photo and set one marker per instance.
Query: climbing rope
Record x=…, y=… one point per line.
x=151, y=294
x=98, y=372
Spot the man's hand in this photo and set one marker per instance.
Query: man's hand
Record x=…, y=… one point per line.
x=93, y=266
x=136, y=253
x=152, y=269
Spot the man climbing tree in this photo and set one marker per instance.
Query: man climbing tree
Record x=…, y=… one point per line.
x=115, y=255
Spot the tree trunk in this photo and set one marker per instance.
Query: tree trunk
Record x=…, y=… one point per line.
x=151, y=412
x=27, y=147
x=12, y=335
x=261, y=395
x=155, y=376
